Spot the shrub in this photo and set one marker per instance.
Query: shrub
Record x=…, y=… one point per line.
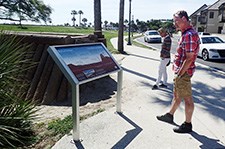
x=16, y=113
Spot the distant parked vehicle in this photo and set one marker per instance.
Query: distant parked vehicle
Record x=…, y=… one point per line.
x=152, y=36
x=203, y=33
x=211, y=47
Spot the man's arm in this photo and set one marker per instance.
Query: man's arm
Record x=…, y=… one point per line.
x=186, y=64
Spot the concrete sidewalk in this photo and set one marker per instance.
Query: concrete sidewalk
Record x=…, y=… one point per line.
x=137, y=126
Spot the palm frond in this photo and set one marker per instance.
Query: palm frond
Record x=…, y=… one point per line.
x=16, y=113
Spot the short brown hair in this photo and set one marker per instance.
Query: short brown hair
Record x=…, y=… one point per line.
x=181, y=14
x=162, y=30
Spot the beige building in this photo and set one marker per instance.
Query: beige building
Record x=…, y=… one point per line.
x=210, y=18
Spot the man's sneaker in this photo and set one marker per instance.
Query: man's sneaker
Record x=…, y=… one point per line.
x=166, y=118
x=154, y=87
x=183, y=128
x=163, y=85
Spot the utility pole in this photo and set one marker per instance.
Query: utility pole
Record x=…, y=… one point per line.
x=129, y=42
x=132, y=26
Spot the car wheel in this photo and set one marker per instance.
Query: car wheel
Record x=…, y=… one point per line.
x=205, y=55
x=146, y=39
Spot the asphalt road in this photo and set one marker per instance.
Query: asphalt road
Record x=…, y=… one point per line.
x=215, y=64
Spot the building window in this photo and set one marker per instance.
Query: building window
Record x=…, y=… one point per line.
x=211, y=15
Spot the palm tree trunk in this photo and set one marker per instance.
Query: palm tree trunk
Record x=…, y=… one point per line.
x=80, y=20
x=97, y=17
x=121, y=29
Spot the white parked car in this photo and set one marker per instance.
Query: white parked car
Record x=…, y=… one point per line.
x=211, y=47
x=152, y=36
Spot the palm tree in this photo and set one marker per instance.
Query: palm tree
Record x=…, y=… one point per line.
x=126, y=23
x=106, y=22
x=16, y=113
x=90, y=24
x=74, y=13
x=84, y=20
x=121, y=25
x=112, y=24
x=80, y=12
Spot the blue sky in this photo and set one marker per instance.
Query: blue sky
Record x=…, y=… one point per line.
x=141, y=9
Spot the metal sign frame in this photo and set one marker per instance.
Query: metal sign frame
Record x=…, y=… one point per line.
x=61, y=59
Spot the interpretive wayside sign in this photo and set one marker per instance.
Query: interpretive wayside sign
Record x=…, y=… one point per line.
x=88, y=61
x=81, y=63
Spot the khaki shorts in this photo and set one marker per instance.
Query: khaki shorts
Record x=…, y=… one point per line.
x=182, y=86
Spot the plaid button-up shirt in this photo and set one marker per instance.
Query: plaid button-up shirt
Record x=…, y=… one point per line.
x=166, y=46
x=189, y=42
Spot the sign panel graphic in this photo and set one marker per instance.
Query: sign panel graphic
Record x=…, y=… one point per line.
x=88, y=61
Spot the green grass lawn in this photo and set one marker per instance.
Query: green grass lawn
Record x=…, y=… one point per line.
x=62, y=29
x=37, y=28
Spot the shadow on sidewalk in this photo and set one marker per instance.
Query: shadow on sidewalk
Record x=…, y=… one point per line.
x=210, y=97
x=207, y=142
x=139, y=74
x=140, y=56
x=78, y=144
x=130, y=135
x=123, y=142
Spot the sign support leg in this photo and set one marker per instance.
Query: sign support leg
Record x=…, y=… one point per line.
x=75, y=112
x=119, y=91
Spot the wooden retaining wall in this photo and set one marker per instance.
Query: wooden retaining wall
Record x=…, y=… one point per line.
x=46, y=83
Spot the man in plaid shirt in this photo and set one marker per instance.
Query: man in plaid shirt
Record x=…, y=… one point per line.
x=183, y=67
